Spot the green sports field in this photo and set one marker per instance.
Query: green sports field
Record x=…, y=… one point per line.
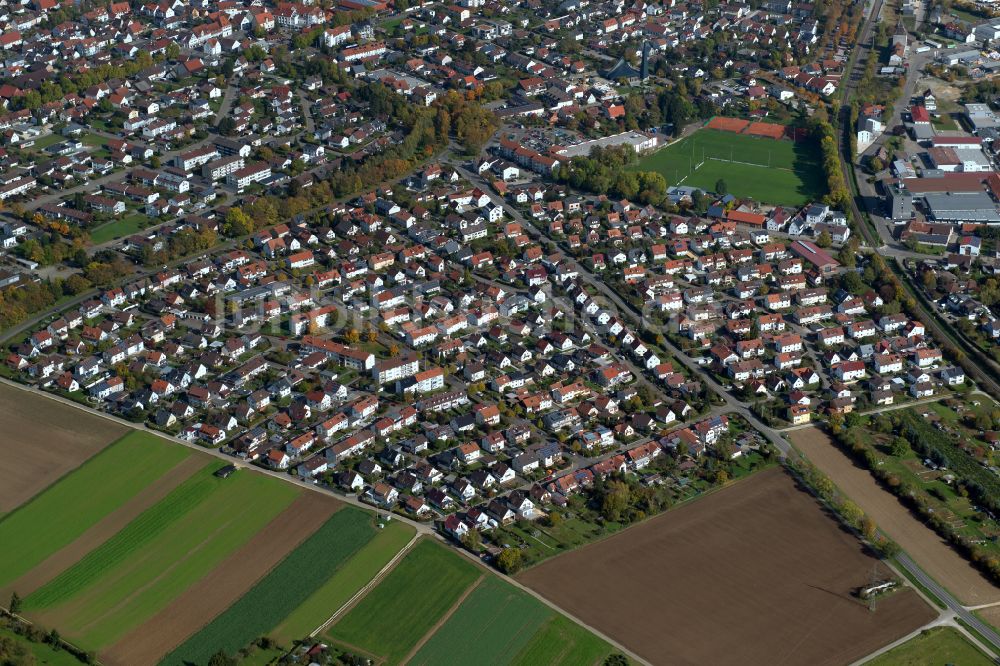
x=391, y=619
x=492, y=626
x=282, y=590
x=344, y=583
x=772, y=171
x=136, y=573
x=82, y=498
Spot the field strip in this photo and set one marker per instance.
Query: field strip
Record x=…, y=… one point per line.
x=441, y=621
x=107, y=527
x=218, y=590
x=364, y=590
x=927, y=549
x=44, y=442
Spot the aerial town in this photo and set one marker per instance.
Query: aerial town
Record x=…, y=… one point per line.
x=496, y=298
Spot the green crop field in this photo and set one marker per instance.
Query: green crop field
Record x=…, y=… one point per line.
x=136, y=534
x=66, y=510
x=934, y=647
x=391, y=619
x=492, y=626
x=562, y=642
x=283, y=590
x=772, y=171
x=161, y=566
x=344, y=583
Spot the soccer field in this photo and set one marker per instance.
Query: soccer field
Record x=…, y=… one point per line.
x=771, y=171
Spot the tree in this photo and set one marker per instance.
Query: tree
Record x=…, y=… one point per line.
x=237, y=223
x=352, y=336
x=721, y=188
x=616, y=659
x=15, y=603
x=173, y=51
x=615, y=501
x=899, y=447
x=824, y=240
x=472, y=540
x=222, y=658
x=371, y=335
x=510, y=561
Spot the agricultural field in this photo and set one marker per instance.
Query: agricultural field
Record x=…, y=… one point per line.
x=344, y=583
x=60, y=514
x=760, y=558
x=414, y=596
x=137, y=572
x=775, y=171
x=43, y=441
x=929, y=550
x=445, y=609
x=282, y=590
x=933, y=647
x=495, y=619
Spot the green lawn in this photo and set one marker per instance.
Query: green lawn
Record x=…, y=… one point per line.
x=935, y=647
x=392, y=618
x=561, y=642
x=491, y=626
x=773, y=171
x=44, y=654
x=123, y=596
x=283, y=590
x=126, y=226
x=344, y=583
x=67, y=509
x=46, y=141
x=94, y=141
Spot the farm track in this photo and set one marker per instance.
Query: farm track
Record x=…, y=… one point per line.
x=240, y=571
x=929, y=551
x=109, y=526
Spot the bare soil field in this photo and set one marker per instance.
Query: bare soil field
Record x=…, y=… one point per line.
x=754, y=574
x=42, y=441
x=202, y=602
x=105, y=529
x=991, y=615
x=931, y=552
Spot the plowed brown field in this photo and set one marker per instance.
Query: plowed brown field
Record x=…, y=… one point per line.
x=754, y=574
x=41, y=440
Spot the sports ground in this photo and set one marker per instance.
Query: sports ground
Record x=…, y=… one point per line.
x=774, y=171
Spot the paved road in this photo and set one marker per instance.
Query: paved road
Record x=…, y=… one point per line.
x=983, y=629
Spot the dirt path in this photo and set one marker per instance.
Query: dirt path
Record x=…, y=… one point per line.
x=440, y=623
x=931, y=552
x=42, y=441
x=107, y=527
x=206, y=599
